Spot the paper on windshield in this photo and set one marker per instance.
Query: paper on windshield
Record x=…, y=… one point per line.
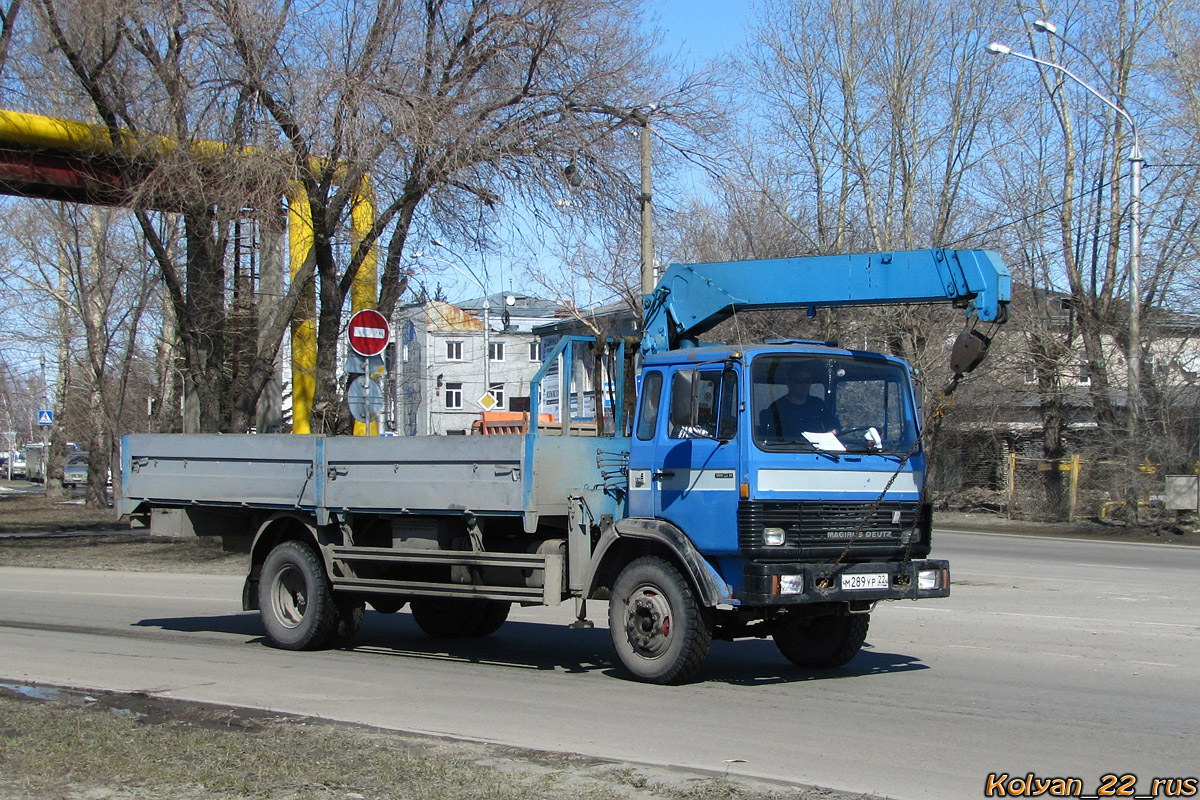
x=825, y=441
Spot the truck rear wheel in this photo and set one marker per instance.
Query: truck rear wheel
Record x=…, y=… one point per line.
x=349, y=620
x=495, y=614
x=659, y=630
x=829, y=641
x=388, y=605
x=296, y=601
x=447, y=617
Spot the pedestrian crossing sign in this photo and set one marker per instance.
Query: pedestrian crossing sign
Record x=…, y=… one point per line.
x=45, y=418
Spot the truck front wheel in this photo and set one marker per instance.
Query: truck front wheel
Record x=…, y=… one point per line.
x=660, y=632
x=296, y=601
x=829, y=641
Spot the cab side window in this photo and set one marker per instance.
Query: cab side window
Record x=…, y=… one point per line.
x=696, y=397
x=648, y=410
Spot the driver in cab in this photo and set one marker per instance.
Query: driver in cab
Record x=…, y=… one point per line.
x=798, y=411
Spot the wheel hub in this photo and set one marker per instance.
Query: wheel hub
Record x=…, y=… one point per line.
x=290, y=597
x=648, y=623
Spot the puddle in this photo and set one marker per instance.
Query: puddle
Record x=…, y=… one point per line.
x=66, y=696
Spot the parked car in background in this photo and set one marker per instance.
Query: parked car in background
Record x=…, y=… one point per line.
x=18, y=464
x=75, y=471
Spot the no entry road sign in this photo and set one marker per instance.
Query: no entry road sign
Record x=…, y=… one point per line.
x=369, y=332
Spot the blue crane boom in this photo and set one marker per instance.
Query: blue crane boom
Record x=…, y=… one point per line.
x=692, y=298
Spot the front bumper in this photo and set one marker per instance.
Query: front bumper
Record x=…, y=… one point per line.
x=767, y=584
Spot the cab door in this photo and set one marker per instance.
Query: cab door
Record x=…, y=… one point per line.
x=642, y=446
x=694, y=484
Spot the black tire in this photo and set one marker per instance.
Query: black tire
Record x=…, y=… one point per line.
x=495, y=614
x=447, y=617
x=295, y=599
x=659, y=629
x=388, y=605
x=829, y=641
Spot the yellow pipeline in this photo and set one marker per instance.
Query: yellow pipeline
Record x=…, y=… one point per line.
x=35, y=130
x=39, y=131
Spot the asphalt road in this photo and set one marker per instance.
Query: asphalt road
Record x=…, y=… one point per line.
x=1065, y=658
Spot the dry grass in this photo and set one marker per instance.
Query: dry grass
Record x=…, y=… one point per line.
x=79, y=747
x=46, y=747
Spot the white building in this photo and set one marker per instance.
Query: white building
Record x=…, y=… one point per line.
x=439, y=378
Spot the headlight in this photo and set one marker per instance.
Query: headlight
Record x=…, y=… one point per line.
x=933, y=579
x=791, y=584
x=773, y=537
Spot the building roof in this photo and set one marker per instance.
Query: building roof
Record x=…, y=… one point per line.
x=616, y=318
x=521, y=316
x=521, y=306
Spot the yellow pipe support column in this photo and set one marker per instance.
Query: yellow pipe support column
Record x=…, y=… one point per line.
x=364, y=290
x=1012, y=483
x=304, y=321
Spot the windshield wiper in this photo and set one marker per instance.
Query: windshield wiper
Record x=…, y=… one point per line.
x=785, y=443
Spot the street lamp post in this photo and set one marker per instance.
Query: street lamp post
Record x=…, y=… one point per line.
x=641, y=117
x=1133, y=358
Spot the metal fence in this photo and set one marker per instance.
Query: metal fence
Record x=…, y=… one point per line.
x=1067, y=489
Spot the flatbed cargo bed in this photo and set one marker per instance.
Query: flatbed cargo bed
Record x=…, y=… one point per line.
x=519, y=475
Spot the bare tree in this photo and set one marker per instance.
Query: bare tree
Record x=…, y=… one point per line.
x=180, y=139
x=448, y=107
x=1062, y=173
x=8, y=27
x=865, y=133
x=86, y=272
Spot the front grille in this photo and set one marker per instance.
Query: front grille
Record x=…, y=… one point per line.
x=813, y=528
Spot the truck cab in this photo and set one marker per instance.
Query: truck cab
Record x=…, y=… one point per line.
x=794, y=468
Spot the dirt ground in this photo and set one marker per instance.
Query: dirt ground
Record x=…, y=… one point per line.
x=1160, y=527
x=38, y=532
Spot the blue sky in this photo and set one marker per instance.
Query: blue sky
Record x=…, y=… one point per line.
x=695, y=30
x=700, y=29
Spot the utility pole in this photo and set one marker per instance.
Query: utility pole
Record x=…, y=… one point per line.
x=645, y=199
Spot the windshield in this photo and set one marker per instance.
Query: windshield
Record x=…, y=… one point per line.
x=77, y=460
x=842, y=404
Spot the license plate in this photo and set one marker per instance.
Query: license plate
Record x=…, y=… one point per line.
x=861, y=580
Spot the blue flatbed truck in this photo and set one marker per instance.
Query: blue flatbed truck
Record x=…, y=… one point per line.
x=696, y=521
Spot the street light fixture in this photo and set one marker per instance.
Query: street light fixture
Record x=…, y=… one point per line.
x=1135, y=214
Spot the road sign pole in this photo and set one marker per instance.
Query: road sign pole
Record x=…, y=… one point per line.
x=368, y=334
